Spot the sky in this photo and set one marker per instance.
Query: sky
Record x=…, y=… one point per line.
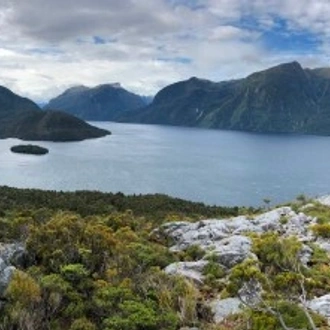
x=47, y=46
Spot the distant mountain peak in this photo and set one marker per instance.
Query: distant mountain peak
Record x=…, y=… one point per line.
x=103, y=102
x=110, y=85
x=282, y=99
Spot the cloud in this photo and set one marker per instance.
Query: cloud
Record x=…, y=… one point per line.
x=47, y=46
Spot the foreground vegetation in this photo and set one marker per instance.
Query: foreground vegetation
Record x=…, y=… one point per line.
x=92, y=264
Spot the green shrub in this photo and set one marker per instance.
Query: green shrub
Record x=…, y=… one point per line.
x=322, y=230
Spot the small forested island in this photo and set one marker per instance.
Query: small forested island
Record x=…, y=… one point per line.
x=91, y=261
x=30, y=149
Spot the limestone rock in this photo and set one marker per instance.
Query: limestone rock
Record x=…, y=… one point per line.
x=232, y=250
x=224, y=307
x=5, y=278
x=11, y=255
x=190, y=269
x=321, y=305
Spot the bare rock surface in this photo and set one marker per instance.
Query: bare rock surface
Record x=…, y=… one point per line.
x=189, y=269
x=321, y=305
x=228, y=242
x=11, y=255
x=225, y=307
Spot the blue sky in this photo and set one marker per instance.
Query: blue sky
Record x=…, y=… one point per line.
x=47, y=46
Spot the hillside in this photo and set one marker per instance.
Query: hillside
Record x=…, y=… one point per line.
x=21, y=118
x=153, y=262
x=101, y=103
x=282, y=99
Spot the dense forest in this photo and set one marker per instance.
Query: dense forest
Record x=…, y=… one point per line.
x=90, y=261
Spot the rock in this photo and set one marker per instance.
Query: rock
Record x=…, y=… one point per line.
x=305, y=254
x=321, y=305
x=208, y=233
x=250, y=293
x=232, y=250
x=225, y=238
x=5, y=278
x=190, y=269
x=2, y=265
x=324, y=200
x=11, y=255
x=225, y=307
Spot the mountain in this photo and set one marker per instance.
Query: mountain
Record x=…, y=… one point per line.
x=103, y=102
x=21, y=118
x=282, y=99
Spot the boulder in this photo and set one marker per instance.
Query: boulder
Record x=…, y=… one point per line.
x=321, y=305
x=191, y=269
x=11, y=256
x=224, y=307
x=232, y=250
x=5, y=277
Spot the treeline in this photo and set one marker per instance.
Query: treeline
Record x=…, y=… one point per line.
x=156, y=206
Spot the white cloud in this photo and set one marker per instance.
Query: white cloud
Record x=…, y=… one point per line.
x=47, y=46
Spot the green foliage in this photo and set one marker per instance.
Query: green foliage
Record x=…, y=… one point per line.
x=82, y=324
x=155, y=207
x=194, y=252
x=322, y=230
x=277, y=253
x=244, y=272
x=321, y=212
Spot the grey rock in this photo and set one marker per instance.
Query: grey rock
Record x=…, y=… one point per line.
x=321, y=305
x=324, y=200
x=5, y=278
x=11, y=255
x=2, y=265
x=305, y=254
x=190, y=269
x=250, y=292
x=208, y=233
x=225, y=307
x=231, y=250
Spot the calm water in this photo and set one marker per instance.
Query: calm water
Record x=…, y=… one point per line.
x=215, y=167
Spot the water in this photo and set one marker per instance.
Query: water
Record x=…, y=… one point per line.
x=211, y=166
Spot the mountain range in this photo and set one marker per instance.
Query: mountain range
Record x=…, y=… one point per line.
x=282, y=99
x=100, y=103
x=21, y=118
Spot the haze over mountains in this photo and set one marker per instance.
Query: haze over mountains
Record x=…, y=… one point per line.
x=103, y=102
x=21, y=118
x=282, y=99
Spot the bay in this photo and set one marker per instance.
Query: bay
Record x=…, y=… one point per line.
x=210, y=166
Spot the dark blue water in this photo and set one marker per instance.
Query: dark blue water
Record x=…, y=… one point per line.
x=215, y=167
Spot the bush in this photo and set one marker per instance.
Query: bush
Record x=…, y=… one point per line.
x=322, y=230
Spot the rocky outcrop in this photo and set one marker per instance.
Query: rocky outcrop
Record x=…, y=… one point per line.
x=225, y=307
x=228, y=242
x=11, y=256
x=225, y=240
x=321, y=305
x=192, y=270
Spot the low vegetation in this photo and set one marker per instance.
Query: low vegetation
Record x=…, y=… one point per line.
x=92, y=264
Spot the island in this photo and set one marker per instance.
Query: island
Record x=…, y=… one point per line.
x=30, y=149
